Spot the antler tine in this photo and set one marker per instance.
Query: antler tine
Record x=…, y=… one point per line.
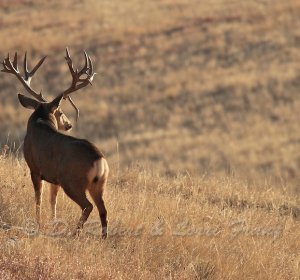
x=26, y=72
x=7, y=66
x=75, y=107
x=69, y=62
x=86, y=65
x=68, y=58
x=80, y=78
x=88, y=69
x=29, y=74
x=36, y=67
x=12, y=68
x=91, y=72
x=15, y=62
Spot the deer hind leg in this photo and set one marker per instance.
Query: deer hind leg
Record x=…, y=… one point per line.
x=53, y=199
x=37, y=184
x=86, y=207
x=96, y=192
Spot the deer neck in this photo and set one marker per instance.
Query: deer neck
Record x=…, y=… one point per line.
x=41, y=117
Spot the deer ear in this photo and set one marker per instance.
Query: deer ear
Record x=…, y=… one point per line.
x=55, y=103
x=27, y=102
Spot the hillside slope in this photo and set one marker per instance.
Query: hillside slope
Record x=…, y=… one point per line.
x=203, y=88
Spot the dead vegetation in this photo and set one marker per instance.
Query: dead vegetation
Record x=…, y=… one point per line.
x=180, y=228
x=201, y=101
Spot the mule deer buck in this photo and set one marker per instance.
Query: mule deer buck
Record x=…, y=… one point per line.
x=74, y=164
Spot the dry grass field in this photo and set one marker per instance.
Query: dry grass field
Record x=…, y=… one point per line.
x=196, y=106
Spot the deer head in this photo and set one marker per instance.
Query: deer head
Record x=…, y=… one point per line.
x=47, y=111
x=80, y=79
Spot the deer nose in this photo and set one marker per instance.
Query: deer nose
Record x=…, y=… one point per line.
x=68, y=126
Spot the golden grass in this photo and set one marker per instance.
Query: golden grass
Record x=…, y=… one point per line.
x=160, y=228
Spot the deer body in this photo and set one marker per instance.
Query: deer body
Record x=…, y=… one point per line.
x=53, y=154
x=74, y=164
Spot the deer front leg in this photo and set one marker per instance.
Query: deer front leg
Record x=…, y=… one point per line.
x=53, y=199
x=37, y=184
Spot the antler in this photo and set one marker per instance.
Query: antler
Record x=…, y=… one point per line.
x=80, y=78
x=12, y=68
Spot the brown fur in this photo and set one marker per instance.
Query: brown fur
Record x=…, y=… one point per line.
x=63, y=160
